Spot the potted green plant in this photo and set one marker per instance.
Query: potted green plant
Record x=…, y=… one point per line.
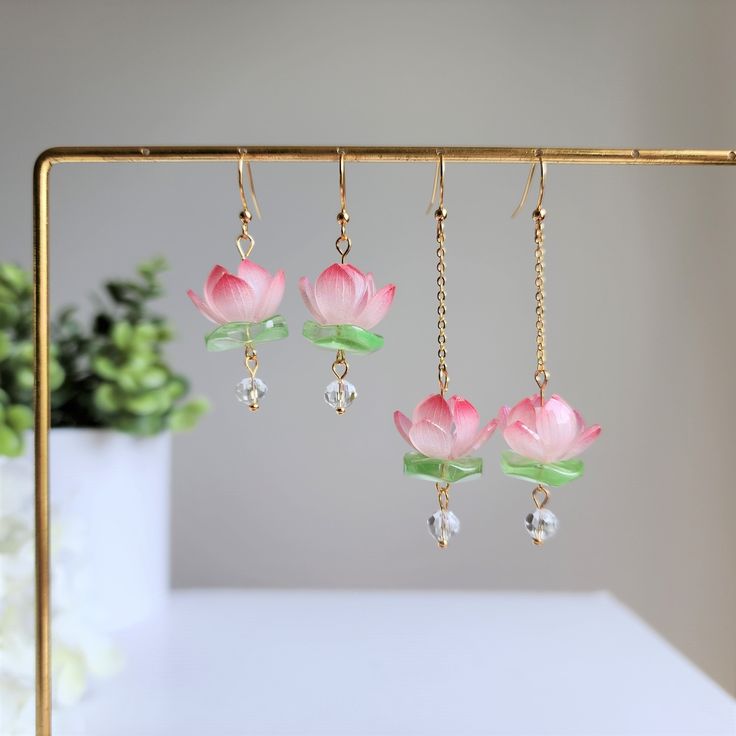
x=114, y=401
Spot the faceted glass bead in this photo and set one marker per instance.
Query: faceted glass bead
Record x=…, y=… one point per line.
x=236, y=334
x=443, y=525
x=541, y=524
x=340, y=394
x=250, y=390
x=349, y=338
x=551, y=474
x=447, y=471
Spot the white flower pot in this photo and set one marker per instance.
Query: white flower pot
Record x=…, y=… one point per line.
x=115, y=487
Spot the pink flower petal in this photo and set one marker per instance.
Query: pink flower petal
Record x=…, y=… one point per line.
x=307, y=292
x=524, y=412
x=204, y=308
x=361, y=280
x=465, y=421
x=524, y=442
x=403, y=424
x=557, y=427
x=377, y=308
x=338, y=294
x=270, y=301
x=484, y=435
x=209, y=285
x=503, y=417
x=434, y=409
x=584, y=439
x=233, y=299
x=256, y=277
x=431, y=440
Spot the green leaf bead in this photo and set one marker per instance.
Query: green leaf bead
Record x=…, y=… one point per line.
x=349, y=338
x=551, y=474
x=443, y=471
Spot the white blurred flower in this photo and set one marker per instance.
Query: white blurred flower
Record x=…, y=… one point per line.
x=78, y=652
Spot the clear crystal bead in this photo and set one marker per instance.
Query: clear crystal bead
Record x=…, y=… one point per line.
x=340, y=394
x=250, y=390
x=541, y=525
x=443, y=525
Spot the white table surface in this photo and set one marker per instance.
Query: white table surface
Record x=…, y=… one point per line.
x=227, y=663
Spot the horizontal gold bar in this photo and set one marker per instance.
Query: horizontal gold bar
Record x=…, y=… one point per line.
x=461, y=154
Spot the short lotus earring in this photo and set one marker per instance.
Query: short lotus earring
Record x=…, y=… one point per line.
x=443, y=433
x=545, y=435
x=345, y=306
x=244, y=305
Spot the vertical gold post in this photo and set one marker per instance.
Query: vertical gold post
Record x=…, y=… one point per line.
x=41, y=438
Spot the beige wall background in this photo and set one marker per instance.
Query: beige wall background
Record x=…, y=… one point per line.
x=640, y=274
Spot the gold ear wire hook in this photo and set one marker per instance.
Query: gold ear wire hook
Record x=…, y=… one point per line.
x=527, y=186
x=343, y=244
x=251, y=185
x=342, y=180
x=439, y=179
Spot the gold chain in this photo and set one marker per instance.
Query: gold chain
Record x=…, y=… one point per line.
x=540, y=376
x=442, y=375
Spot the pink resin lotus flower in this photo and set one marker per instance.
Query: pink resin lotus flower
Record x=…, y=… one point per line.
x=344, y=295
x=251, y=296
x=547, y=432
x=444, y=429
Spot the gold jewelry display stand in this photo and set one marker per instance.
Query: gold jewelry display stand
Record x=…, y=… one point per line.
x=54, y=156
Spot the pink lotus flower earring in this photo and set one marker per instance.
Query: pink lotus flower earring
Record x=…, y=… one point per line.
x=545, y=436
x=345, y=306
x=443, y=433
x=244, y=305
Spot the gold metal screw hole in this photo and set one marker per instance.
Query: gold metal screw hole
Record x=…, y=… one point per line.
x=635, y=153
x=145, y=151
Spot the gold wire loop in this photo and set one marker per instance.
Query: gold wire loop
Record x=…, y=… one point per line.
x=540, y=496
x=440, y=215
x=251, y=360
x=238, y=243
x=343, y=250
x=340, y=366
x=443, y=495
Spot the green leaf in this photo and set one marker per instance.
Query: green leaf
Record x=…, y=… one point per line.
x=186, y=416
x=15, y=277
x=5, y=345
x=56, y=375
x=105, y=367
x=11, y=442
x=24, y=379
x=106, y=399
x=9, y=314
x=154, y=377
x=150, y=402
x=143, y=426
x=122, y=335
x=19, y=417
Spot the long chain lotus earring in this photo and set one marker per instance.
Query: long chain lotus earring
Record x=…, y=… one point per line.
x=443, y=433
x=345, y=306
x=244, y=305
x=545, y=435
